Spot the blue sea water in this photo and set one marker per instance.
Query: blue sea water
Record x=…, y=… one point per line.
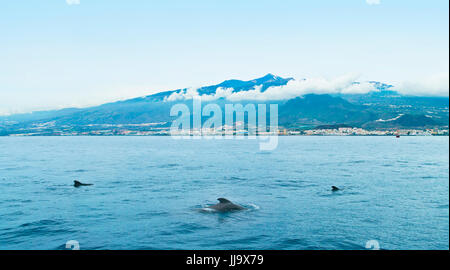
x=147, y=193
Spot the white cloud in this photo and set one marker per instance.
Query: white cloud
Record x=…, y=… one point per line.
x=220, y=93
x=435, y=85
x=294, y=88
x=373, y=2
x=73, y=2
x=188, y=93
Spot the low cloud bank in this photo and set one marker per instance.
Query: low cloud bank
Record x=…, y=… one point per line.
x=437, y=85
x=344, y=84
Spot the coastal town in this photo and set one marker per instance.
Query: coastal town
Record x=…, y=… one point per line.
x=164, y=129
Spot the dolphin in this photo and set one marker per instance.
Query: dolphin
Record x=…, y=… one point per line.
x=78, y=184
x=334, y=188
x=225, y=205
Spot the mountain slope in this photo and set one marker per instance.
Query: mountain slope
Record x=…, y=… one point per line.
x=323, y=109
x=360, y=110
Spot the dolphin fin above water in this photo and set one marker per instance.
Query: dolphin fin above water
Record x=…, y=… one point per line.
x=334, y=188
x=225, y=205
x=78, y=184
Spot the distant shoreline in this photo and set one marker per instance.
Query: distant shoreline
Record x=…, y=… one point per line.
x=212, y=136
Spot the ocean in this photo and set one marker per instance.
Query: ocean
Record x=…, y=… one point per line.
x=147, y=193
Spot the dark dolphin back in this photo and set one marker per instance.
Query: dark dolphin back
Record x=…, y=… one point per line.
x=78, y=183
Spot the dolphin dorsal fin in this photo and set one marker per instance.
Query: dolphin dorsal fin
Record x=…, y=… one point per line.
x=76, y=182
x=223, y=200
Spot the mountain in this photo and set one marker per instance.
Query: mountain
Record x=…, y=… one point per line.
x=403, y=121
x=314, y=109
x=152, y=108
x=308, y=111
x=265, y=82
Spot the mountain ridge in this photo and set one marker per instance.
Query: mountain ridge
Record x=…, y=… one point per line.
x=361, y=110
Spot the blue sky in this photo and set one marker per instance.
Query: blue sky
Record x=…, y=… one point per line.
x=54, y=55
